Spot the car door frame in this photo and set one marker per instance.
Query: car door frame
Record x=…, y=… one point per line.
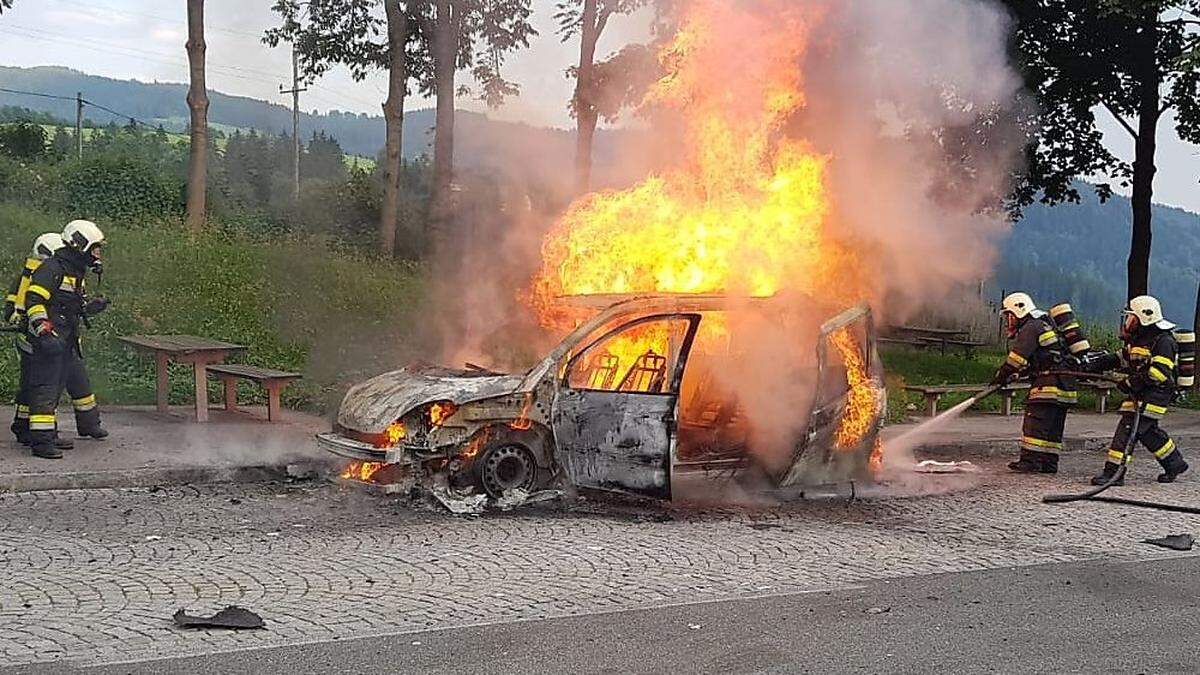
x=609, y=465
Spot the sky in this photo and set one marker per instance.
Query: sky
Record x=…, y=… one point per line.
x=143, y=40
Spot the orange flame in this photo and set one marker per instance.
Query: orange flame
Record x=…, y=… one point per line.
x=748, y=212
x=522, y=422
x=861, y=397
x=362, y=471
x=440, y=412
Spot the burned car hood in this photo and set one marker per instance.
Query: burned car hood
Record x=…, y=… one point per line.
x=372, y=405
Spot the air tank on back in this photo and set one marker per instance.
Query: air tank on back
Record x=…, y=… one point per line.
x=1187, y=358
x=1068, y=326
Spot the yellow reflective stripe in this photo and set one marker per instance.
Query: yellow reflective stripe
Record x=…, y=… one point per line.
x=1017, y=360
x=1071, y=326
x=37, y=312
x=1157, y=375
x=41, y=422
x=1039, y=443
x=84, y=404
x=34, y=288
x=11, y=297
x=1116, y=456
x=1166, y=449
x=68, y=284
x=31, y=264
x=1163, y=360
x=1156, y=409
x=1139, y=351
x=1048, y=338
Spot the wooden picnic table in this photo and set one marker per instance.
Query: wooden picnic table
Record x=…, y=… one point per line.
x=931, y=332
x=199, y=351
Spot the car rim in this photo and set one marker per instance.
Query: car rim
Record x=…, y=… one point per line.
x=506, y=468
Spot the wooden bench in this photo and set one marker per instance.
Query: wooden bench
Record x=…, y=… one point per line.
x=933, y=393
x=273, y=381
x=200, y=352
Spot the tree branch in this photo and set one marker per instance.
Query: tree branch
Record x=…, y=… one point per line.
x=1120, y=119
x=602, y=19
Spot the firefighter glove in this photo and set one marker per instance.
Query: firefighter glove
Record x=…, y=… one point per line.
x=95, y=306
x=1124, y=387
x=1001, y=378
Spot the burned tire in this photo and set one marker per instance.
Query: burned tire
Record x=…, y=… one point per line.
x=504, y=465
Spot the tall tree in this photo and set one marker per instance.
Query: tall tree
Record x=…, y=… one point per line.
x=5, y=4
x=588, y=19
x=474, y=34
x=1125, y=57
x=197, y=99
x=352, y=33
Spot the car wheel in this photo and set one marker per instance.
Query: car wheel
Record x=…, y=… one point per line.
x=506, y=466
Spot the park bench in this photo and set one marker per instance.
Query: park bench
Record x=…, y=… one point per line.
x=933, y=393
x=273, y=381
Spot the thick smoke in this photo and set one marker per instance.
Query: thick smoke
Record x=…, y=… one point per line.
x=918, y=106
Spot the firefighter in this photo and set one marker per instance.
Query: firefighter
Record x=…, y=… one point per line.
x=1036, y=350
x=56, y=306
x=1148, y=362
x=14, y=315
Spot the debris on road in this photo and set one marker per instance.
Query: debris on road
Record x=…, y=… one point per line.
x=934, y=466
x=878, y=610
x=461, y=504
x=230, y=617
x=518, y=497
x=1177, y=542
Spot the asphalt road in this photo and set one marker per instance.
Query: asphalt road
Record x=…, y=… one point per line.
x=1091, y=617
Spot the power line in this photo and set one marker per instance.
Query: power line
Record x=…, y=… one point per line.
x=35, y=93
x=217, y=28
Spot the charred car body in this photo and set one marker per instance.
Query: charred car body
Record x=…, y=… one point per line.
x=625, y=402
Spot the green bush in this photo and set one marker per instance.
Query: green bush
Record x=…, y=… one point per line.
x=20, y=181
x=119, y=188
x=23, y=140
x=295, y=303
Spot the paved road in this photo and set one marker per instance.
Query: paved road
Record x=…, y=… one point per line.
x=1063, y=618
x=92, y=577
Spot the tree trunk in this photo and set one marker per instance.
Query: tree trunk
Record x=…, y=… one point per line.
x=197, y=99
x=585, y=109
x=445, y=54
x=393, y=115
x=1144, y=150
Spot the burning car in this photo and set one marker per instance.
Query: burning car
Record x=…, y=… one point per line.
x=636, y=399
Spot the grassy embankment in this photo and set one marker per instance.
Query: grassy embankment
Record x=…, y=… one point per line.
x=297, y=303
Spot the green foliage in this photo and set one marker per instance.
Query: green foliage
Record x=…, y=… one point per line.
x=20, y=180
x=23, y=140
x=296, y=304
x=1078, y=56
x=124, y=189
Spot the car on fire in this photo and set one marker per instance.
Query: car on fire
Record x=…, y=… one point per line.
x=626, y=403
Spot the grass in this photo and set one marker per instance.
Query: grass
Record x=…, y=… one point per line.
x=297, y=303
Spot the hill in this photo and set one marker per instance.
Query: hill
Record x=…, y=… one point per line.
x=480, y=141
x=1078, y=252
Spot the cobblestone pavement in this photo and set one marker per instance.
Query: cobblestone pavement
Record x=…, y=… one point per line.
x=94, y=576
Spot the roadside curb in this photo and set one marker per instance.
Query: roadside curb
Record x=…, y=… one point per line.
x=1008, y=446
x=156, y=476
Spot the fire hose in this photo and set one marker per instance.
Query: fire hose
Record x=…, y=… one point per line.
x=1126, y=455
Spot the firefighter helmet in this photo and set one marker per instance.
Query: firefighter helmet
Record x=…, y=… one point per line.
x=1020, y=305
x=45, y=245
x=1148, y=312
x=83, y=235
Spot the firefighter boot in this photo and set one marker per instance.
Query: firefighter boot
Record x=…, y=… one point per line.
x=1173, y=465
x=1110, y=470
x=46, y=450
x=1035, y=462
x=64, y=443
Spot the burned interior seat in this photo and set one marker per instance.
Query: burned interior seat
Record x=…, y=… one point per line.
x=602, y=371
x=648, y=374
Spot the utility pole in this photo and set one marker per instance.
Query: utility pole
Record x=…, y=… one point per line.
x=295, y=92
x=79, y=124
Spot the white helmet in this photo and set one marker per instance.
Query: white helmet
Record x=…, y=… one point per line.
x=1148, y=311
x=1020, y=305
x=45, y=245
x=82, y=235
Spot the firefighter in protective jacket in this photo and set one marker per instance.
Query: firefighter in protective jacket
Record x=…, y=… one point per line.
x=56, y=306
x=1149, y=362
x=14, y=315
x=1036, y=350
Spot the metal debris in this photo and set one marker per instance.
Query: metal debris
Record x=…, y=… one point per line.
x=1176, y=542
x=518, y=497
x=461, y=504
x=230, y=617
x=934, y=466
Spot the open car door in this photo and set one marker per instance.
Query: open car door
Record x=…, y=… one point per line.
x=832, y=445
x=615, y=415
